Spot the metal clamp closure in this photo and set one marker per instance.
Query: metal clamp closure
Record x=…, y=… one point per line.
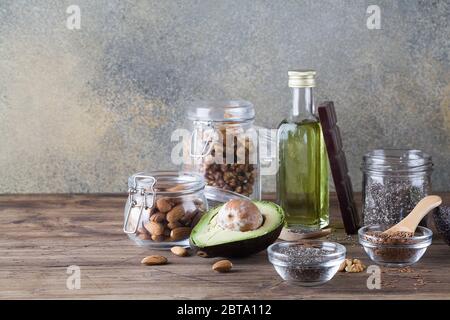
x=141, y=192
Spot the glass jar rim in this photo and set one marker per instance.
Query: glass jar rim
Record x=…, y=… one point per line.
x=397, y=161
x=221, y=111
x=187, y=182
x=425, y=236
x=336, y=252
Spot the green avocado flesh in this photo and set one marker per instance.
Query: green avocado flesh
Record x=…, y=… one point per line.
x=212, y=240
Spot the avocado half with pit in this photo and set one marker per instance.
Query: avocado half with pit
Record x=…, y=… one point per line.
x=208, y=239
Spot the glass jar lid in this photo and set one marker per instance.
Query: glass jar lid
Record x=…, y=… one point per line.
x=167, y=182
x=397, y=161
x=221, y=111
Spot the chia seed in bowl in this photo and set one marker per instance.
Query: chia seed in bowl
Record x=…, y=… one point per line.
x=306, y=263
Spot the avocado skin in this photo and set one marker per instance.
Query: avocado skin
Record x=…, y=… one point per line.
x=239, y=249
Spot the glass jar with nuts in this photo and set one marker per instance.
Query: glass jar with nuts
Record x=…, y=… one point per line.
x=163, y=207
x=224, y=146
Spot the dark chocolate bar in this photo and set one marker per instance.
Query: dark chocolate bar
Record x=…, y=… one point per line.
x=338, y=165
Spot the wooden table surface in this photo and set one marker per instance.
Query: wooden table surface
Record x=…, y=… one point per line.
x=41, y=235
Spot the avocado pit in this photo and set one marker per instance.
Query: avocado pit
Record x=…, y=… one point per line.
x=239, y=215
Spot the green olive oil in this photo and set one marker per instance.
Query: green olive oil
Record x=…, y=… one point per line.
x=302, y=179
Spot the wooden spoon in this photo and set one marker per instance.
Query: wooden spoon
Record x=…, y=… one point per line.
x=410, y=222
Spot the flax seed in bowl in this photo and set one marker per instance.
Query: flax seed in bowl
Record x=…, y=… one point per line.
x=395, y=250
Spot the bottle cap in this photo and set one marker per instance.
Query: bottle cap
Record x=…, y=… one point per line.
x=302, y=78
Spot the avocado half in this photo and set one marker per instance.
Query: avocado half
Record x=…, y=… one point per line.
x=210, y=240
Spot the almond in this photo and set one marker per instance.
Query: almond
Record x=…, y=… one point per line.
x=176, y=201
x=154, y=260
x=144, y=236
x=178, y=187
x=196, y=219
x=188, y=216
x=175, y=214
x=222, y=266
x=155, y=228
x=163, y=205
x=142, y=230
x=159, y=238
x=179, y=251
x=180, y=233
x=173, y=225
x=158, y=217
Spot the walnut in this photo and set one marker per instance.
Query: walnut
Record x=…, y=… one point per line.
x=352, y=265
x=355, y=268
x=344, y=264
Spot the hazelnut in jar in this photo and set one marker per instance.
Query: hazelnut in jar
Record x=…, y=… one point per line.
x=224, y=146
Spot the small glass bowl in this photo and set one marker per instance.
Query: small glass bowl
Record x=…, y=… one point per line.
x=396, y=252
x=306, y=263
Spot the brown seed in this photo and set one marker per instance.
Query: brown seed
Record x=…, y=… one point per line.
x=180, y=233
x=158, y=217
x=175, y=214
x=179, y=251
x=222, y=266
x=154, y=228
x=154, y=260
x=163, y=205
x=173, y=225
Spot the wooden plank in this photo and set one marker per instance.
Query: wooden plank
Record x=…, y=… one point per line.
x=41, y=235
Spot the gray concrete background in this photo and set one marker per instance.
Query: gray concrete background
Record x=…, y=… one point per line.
x=81, y=110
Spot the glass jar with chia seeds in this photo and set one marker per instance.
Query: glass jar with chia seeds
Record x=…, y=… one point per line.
x=394, y=181
x=224, y=146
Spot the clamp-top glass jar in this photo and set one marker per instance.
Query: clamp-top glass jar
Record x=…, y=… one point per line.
x=394, y=181
x=163, y=207
x=224, y=146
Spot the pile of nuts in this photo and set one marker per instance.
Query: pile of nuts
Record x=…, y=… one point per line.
x=221, y=266
x=171, y=219
x=229, y=165
x=352, y=266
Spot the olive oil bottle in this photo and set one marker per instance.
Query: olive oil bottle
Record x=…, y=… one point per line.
x=302, y=178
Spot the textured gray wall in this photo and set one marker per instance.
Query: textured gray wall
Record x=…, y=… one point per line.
x=81, y=110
